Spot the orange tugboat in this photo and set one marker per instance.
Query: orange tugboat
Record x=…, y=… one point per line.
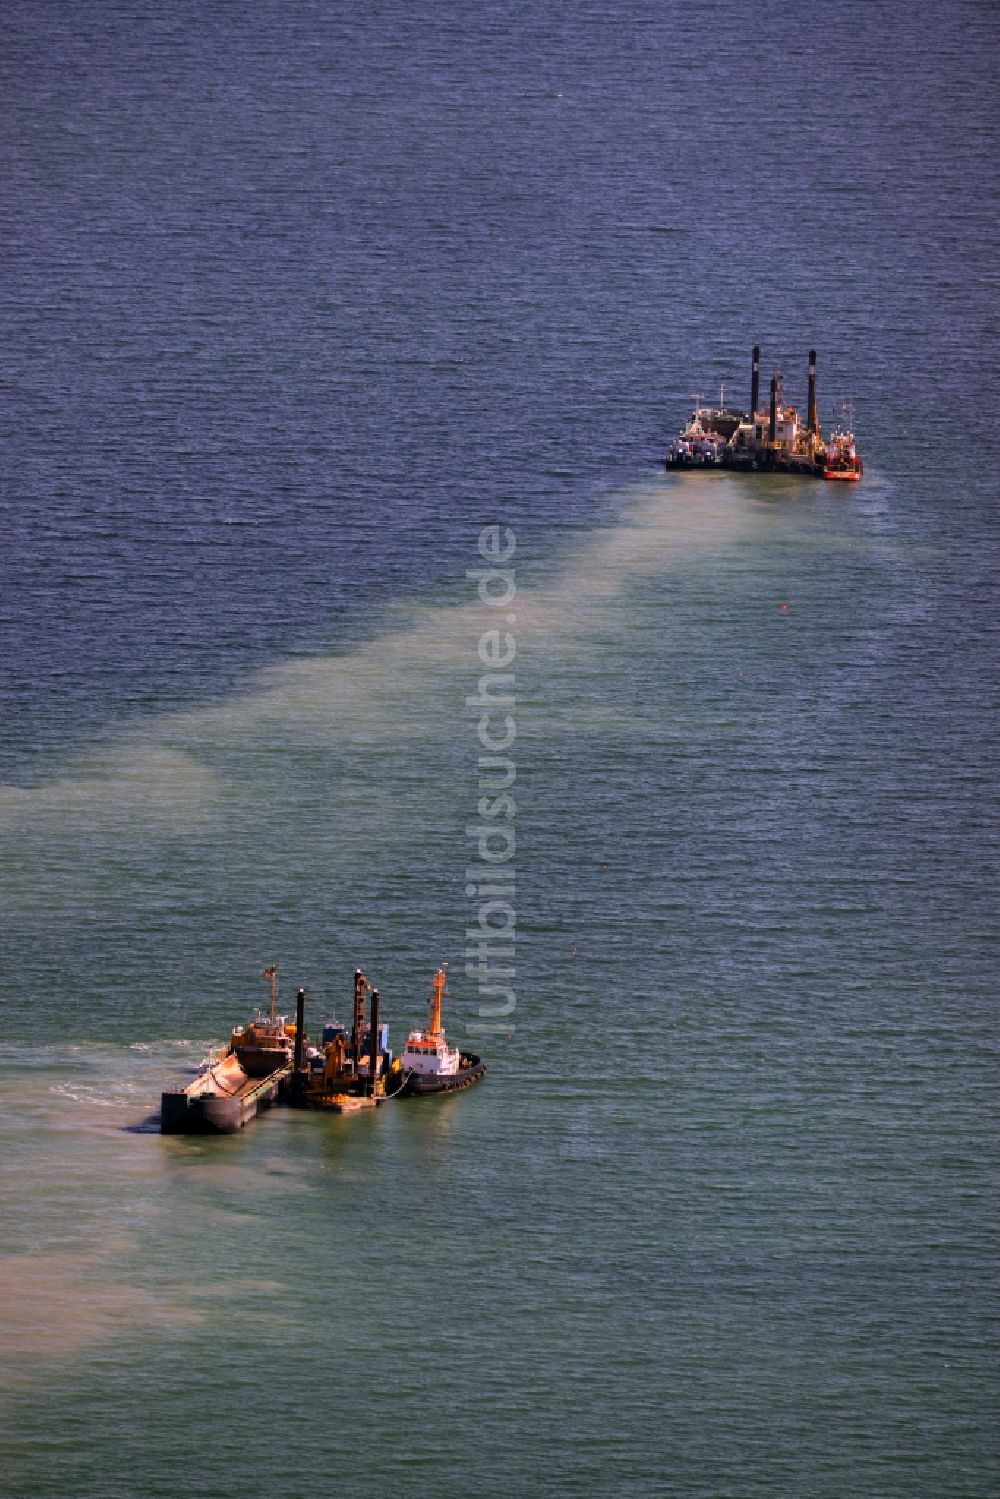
x=842, y=459
x=429, y=1064
x=267, y=1042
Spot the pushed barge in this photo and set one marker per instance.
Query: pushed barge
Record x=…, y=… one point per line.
x=767, y=439
x=221, y=1100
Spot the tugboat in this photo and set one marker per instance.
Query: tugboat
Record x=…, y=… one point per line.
x=265, y=1043
x=429, y=1064
x=841, y=459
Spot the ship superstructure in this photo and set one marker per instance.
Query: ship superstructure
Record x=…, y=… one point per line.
x=267, y=1041
x=842, y=459
x=427, y=1053
x=704, y=439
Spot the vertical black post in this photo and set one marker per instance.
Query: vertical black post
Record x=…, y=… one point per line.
x=358, y=1026
x=373, y=1048
x=755, y=382
x=300, y=1027
x=772, y=426
x=813, y=414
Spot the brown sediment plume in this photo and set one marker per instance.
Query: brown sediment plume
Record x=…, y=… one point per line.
x=316, y=697
x=54, y=1306
x=255, y=1181
x=148, y=782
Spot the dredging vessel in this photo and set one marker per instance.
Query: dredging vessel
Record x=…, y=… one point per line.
x=769, y=439
x=271, y=1061
x=351, y=1069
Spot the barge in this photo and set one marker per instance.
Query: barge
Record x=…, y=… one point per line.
x=767, y=439
x=221, y=1100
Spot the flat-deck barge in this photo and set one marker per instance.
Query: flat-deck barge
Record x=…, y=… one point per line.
x=221, y=1100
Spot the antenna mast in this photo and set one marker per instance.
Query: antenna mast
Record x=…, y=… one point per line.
x=437, y=996
x=271, y=972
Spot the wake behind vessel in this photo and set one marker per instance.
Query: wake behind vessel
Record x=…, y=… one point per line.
x=769, y=439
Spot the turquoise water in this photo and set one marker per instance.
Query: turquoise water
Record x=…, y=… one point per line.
x=301, y=303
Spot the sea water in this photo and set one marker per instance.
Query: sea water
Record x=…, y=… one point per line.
x=300, y=303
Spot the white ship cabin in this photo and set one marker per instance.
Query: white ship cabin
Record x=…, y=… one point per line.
x=428, y=1055
x=752, y=435
x=786, y=428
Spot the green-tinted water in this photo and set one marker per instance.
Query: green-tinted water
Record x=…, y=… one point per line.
x=732, y=1153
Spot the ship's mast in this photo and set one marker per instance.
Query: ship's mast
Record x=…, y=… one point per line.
x=271, y=973
x=437, y=995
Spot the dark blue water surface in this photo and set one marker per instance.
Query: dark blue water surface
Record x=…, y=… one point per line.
x=296, y=298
